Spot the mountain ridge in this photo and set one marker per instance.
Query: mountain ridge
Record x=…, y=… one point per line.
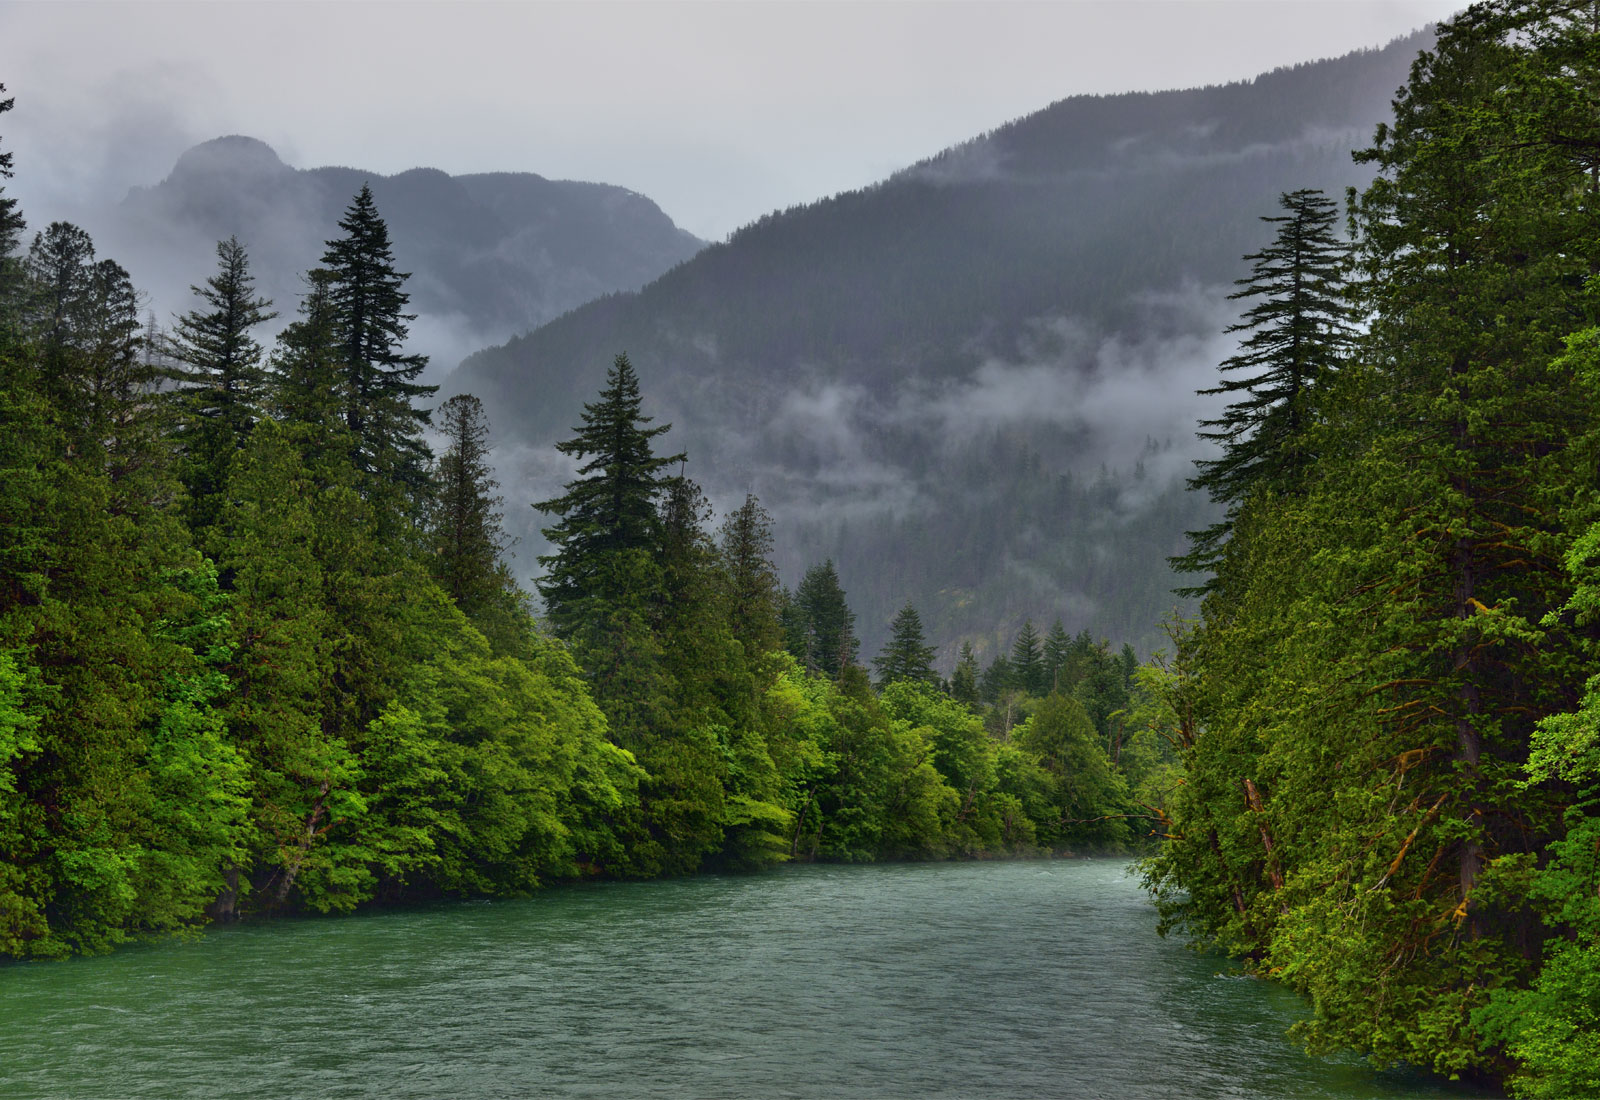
x=972, y=383
x=491, y=254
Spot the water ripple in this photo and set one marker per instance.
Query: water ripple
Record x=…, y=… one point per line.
x=928, y=981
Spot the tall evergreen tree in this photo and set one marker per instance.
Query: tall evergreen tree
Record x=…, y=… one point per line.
x=219, y=376
x=57, y=273
x=754, y=598
x=997, y=678
x=380, y=391
x=11, y=223
x=1027, y=661
x=305, y=383
x=906, y=657
x=827, y=625
x=1299, y=327
x=964, y=680
x=467, y=537
x=610, y=510
x=1057, y=648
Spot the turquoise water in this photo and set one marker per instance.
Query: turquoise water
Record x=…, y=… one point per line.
x=920, y=980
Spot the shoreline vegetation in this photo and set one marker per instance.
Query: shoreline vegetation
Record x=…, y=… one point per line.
x=1390, y=802
x=259, y=652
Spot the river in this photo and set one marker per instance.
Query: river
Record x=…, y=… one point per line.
x=1026, y=979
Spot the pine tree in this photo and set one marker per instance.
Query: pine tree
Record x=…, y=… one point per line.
x=609, y=511
x=57, y=272
x=1057, y=648
x=305, y=383
x=964, y=680
x=11, y=226
x=827, y=623
x=997, y=678
x=754, y=598
x=220, y=380
x=380, y=388
x=906, y=657
x=83, y=315
x=466, y=533
x=1027, y=661
x=1299, y=328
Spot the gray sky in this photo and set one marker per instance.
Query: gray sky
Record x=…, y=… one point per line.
x=718, y=111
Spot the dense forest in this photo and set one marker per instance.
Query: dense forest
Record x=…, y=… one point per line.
x=260, y=652
x=1392, y=771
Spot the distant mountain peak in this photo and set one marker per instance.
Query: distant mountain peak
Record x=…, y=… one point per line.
x=231, y=154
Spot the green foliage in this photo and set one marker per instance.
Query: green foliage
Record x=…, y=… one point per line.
x=1299, y=328
x=1386, y=735
x=907, y=658
x=609, y=512
x=219, y=383
x=822, y=630
x=1088, y=798
x=366, y=307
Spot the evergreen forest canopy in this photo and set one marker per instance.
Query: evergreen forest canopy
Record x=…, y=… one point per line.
x=981, y=369
x=260, y=651
x=1391, y=794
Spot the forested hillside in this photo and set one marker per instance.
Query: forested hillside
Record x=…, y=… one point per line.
x=980, y=371
x=490, y=255
x=1392, y=773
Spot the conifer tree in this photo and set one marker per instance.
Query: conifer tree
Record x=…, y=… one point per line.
x=754, y=598
x=609, y=512
x=827, y=623
x=1299, y=327
x=1027, y=661
x=57, y=272
x=220, y=380
x=380, y=388
x=11, y=224
x=906, y=657
x=467, y=537
x=84, y=316
x=996, y=678
x=1057, y=648
x=305, y=383
x=964, y=680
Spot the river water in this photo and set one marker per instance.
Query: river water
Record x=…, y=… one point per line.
x=910, y=980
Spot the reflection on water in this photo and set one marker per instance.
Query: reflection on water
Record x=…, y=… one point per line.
x=921, y=980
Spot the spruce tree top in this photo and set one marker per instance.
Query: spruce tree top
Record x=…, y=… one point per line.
x=907, y=656
x=1299, y=328
x=379, y=389
x=221, y=376
x=611, y=505
x=367, y=293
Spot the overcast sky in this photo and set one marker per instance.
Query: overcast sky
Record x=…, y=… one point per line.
x=718, y=111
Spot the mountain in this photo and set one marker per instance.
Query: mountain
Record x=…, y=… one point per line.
x=490, y=255
x=972, y=385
